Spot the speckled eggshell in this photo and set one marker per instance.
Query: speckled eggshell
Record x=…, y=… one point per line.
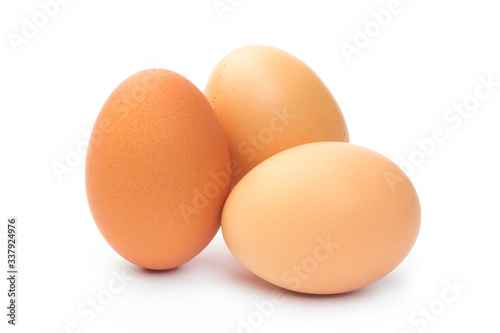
x=267, y=100
x=322, y=218
x=157, y=170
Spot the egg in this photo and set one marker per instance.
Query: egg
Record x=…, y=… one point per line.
x=267, y=101
x=322, y=218
x=157, y=170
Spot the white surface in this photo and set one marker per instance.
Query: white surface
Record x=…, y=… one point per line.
x=393, y=92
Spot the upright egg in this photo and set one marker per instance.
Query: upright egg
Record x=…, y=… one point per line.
x=322, y=218
x=267, y=101
x=157, y=170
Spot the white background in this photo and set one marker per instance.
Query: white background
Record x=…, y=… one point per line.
x=394, y=91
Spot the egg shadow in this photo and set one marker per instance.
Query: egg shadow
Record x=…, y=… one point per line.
x=241, y=274
x=146, y=272
x=252, y=281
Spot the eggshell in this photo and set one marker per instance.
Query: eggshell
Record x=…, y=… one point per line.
x=157, y=170
x=267, y=101
x=322, y=218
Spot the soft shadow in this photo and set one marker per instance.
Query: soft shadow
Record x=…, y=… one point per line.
x=375, y=289
x=158, y=271
x=249, y=279
x=379, y=288
x=140, y=271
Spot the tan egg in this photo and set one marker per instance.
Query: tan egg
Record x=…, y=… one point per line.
x=322, y=218
x=267, y=101
x=157, y=170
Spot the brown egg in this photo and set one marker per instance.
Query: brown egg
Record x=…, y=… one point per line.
x=157, y=170
x=267, y=101
x=322, y=218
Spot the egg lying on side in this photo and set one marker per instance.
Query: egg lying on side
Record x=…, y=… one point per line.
x=267, y=101
x=157, y=170
x=322, y=218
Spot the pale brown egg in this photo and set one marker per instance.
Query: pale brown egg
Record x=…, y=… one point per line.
x=267, y=101
x=157, y=170
x=322, y=218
